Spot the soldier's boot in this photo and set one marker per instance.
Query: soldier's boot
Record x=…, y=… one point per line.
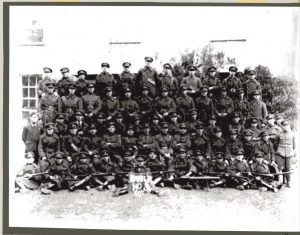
x=156, y=192
x=280, y=178
x=269, y=186
x=176, y=186
x=288, y=179
x=112, y=187
x=187, y=186
x=219, y=183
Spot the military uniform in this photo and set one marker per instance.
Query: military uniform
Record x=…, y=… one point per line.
x=223, y=107
x=258, y=108
x=212, y=82
x=104, y=80
x=182, y=139
x=184, y=104
x=233, y=144
x=71, y=104
x=248, y=146
x=205, y=106
x=92, y=142
x=126, y=79
x=91, y=104
x=62, y=85
x=219, y=167
x=218, y=145
x=164, y=105
x=112, y=141
x=201, y=142
x=145, y=141
x=168, y=81
x=145, y=103
x=129, y=107
x=267, y=148
x=81, y=83
x=251, y=85
x=130, y=140
x=111, y=105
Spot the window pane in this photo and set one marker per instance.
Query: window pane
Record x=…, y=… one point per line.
x=25, y=80
x=32, y=92
x=25, y=92
x=32, y=103
x=25, y=103
x=32, y=80
x=39, y=78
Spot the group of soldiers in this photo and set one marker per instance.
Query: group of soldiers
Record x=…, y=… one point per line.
x=198, y=131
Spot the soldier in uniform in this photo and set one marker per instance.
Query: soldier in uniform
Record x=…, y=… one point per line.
x=278, y=120
x=232, y=83
x=106, y=166
x=174, y=123
x=111, y=105
x=254, y=128
x=251, y=85
x=164, y=104
x=71, y=103
x=92, y=142
x=92, y=103
x=285, y=151
x=237, y=168
x=128, y=106
x=241, y=105
x=193, y=83
x=220, y=166
x=126, y=79
x=72, y=143
x=209, y=131
x=237, y=125
x=166, y=137
x=137, y=124
x=166, y=79
x=81, y=124
x=130, y=138
x=182, y=139
x=147, y=76
x=201, y=142
x=60, y=127
x=31, y=134
x=81, y=83
x=263, y=182
x=145, y=103
x=155, y=125
x=192, y=121
x=218, y=143
x=156, y=165
x=113, y=142
x=49, y=104
x=62, y=85
x=272, y=129
x=200, y=167
x=204, y=105
x=145, y=140
x=101, y=124
x=212, y=81
x=258, y=108
x=104, y=80
x=248, y=146
x=184, y=102
x=233, y=144
x=49, y=144
x=223, y=107
x=47, y=77
x=120, y=125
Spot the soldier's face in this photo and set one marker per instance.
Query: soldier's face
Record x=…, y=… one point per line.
x=259, y=160
x=232, y=73
x=271, y=121
x=165, y=71
x=145, y=92
x=199, y=157
x=219, y=160
x=72, y=91
x=59, y=160
x=182, y=154
x=212, y=73
x=50, y=131
x=111, y=129
x=91, y=89
x=265, y=138
x=236, y=119
x=254, y=124
x=204, y=93
x=81, y=76
x=200, y=131
x=119, y=120
x=83, y=160
x=164, y=93
x=34, y=119
x=174, y=119
x=104, y=69
x=127, y=158
x=29, y=160
x=79, y=117
x=109, y=93
x=128, y=94
x=65, y=74
x=60, y=120
x=285, y=127
x=212, y=122
x=219, y=134
x=165, y=130
x=155, y=121
x=106, y=158
x=50, y=90
x=223, y=93
x=100, y=120
x=140, y=163
x=137, y=122
x=130, y=132
x=126, y=69
x=182, y=131
x=240, y=157
x=191, y=72
x=248, y=137
x=93, y=131
x=278, y=121
x=73, y=131
x=256, y=97
x=147, y=131
x=152, y=155
x=148, y=63
x=194, y=116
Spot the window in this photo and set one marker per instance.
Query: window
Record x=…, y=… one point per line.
x=29, y=86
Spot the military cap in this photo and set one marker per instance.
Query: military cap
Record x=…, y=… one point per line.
x=128, y=153
x=270, y=116
x=104, y=153
x=233, y=132
x=64, y=70
x=47, y=69
x=193, y=111
x=219, y=155
x=182, y=126
x=127, y=89
x=223, y=88
x=239, y=152
x=279, y=116
x=60, y=116
x=257, y=92
x=254, y=120
x=252, y=72
x=240, y=91
x=126, y=64
x=83, y=155
x=104, y=64
x=49, y=125
x=50, y=84
x=145, y=88
x=192, y=68
x=181, y=150
x=59, y=155
x=264, y=133
x=81, y=72
x=155, y=117
x=119, y=115
x=79, y=113
x=73, y=125
x=236, y=114
x=218, y=129
x=204, y=88
x=285, y=123
x=149, y=59
x=164, y=89
x=90, y=85
x=101, y=115
x=167, y=66
x=212, y=69
x=247, y=133
x=173, y=114
x=137, y=117
x=164, y=125
x=258, y=155
x=233, y=69
x=92, y=126
x=152, y=150
x=140, y=158
x=111, y=123
x=29, y=155
x=199, y=125
x=183, y=87
x=146, y=125
x=109, y=88
x=213, y=117
x=72, y=85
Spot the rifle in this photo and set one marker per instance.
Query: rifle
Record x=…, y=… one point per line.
x=273, y=174
x=36, y=174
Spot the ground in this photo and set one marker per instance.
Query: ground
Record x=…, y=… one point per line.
x=219, y=209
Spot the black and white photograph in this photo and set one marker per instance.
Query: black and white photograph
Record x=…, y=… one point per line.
x=154, y=117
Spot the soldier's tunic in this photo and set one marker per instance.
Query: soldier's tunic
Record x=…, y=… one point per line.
x=181, y=141
x=62, y=172
x=129, y=107
x=120, y=128
x=104, y=80
x=48, y=146
x=126, y=79
x=103, y=166
x=213, y=83
x=238, y=127
x=33, y=182
x=129, y=141
x=193, y=83
x=181, y=166
x=111, y=106
x=49, y=106
x=218, y=145
x=285, y=150
x=147, y=76
x=273, y=132
x=101, y=129
x=184, y=103
x=92, y=144
x=145, y=142
x=91, y=104
x=258, y=109
x=114, y=147
x=72, y=145
x=165, y=138
x=146, y=106
x=249, y=149
x=164, y=105
x=251, y=85
x=200, y=166
x=205, y=108
x=155, y=129
x=82, y=127
x=223, y=105
x=233, y=146
x=241, y=106
x=42, y=85
x=201, y=143
x=238, y=167
x=267, y=149
x=155, y=165
x=81, y=87
x=71, y=104
x=84, y=171
x=62, y=86
x=170, y=82
x=60, y=129
x=173, y=127
x=122, y=179
x=232, y=83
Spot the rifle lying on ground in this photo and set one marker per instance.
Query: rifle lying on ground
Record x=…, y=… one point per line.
x=273, y=174
x=36, y=174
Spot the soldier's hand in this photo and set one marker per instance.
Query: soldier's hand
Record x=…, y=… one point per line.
x=69, y=158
